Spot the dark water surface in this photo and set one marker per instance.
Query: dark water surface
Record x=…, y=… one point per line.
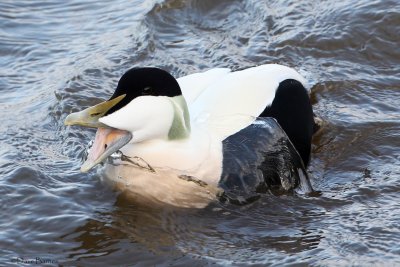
x=57, y=57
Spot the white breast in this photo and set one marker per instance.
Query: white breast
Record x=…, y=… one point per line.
x=177, y=166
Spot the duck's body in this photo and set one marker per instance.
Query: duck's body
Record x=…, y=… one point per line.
x=180, y=130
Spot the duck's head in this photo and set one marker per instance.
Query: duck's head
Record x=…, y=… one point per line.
x=146, y=105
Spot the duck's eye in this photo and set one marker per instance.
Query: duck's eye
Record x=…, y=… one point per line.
x=147, y=91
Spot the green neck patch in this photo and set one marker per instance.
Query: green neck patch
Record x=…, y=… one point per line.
x=180, y=127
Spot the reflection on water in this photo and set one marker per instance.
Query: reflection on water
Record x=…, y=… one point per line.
x=60, y=57
x=183, y=233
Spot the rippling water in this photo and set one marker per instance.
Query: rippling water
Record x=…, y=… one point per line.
x=57, y=57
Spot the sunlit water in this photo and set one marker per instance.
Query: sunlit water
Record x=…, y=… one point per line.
x=58, y=57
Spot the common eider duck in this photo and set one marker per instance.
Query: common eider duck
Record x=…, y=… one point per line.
x=162, y=125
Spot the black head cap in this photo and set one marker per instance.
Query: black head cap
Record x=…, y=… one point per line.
x=144, y=81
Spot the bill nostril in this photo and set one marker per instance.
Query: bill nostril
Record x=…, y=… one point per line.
x=95, y=114
x=105, y=146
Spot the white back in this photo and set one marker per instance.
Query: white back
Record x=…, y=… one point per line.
x=234, y=99
x=193, y=85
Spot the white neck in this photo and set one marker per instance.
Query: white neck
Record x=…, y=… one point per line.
x=152, y=118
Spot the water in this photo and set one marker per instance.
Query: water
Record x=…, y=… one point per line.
x=58, y=57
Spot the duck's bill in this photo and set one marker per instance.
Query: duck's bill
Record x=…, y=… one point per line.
x=90, y=117
x=106, y=142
